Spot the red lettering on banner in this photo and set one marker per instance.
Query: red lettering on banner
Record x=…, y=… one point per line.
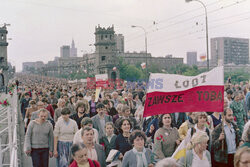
x=209, y=95
x=168, y=99
x=201, y=98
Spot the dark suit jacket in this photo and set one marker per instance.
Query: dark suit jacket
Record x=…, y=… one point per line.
x=219, y=154
x=182, y=118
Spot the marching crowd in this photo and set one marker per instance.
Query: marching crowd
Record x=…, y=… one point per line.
x=68, y=122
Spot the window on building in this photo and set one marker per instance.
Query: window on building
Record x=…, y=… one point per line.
x=103, y=58
x=101, y=36
x=106, y=47
x=110, y=36
x=106, y=36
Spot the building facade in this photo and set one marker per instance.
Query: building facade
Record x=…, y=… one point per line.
x=30, y=67
x=191, y=58
x=105, y=58
x=119, y=42
x=229, y=50
x=3, y=56
x=73, y=49
x=65, y=51
x=105, y=51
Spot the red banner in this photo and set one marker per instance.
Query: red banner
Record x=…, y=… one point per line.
x=197, y=99
x=91, y=83
x=104, y=84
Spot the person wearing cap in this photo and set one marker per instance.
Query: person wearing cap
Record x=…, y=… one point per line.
x=196, y=154
x=100, y=120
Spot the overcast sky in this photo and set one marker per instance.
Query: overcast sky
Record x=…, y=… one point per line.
x=39, y=27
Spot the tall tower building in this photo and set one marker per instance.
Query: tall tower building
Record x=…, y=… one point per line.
x=119, y=42
x=191, y=58
x=65, y=51
x=3, y=56
x=105, y=49
x=73, y=49
x=229, y=50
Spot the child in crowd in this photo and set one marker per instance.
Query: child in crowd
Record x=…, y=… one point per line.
x=108, y=141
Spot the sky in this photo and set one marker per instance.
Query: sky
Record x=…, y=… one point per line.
x=38, y=28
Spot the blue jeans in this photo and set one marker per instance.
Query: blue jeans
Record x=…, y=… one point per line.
x=63, y=149
x=40, y=157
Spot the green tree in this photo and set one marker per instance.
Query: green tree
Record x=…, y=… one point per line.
x=132, y=73
x=237, y=76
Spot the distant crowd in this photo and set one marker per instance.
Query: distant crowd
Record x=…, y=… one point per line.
x=71, y=123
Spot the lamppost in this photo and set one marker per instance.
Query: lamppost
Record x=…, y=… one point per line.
x=206, y=28
x=146, y=46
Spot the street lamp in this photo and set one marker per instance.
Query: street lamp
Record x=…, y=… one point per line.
x=146, y=47
x=206, y=28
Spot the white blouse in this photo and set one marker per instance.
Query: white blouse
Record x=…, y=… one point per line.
x=200, y=162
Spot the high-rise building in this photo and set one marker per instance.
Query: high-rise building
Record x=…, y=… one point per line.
x=65, y=51
x=73, y=49
x=119, y=41
x=191, y=58
x=229, y=50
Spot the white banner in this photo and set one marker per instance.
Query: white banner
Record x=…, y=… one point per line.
x=172, y=83
x=101, y=77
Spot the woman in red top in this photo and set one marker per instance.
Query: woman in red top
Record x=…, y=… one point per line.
x=80, y=156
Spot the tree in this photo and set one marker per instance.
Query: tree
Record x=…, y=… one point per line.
x=237, y=76
x=131, y=73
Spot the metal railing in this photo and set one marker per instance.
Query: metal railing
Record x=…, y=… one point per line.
x=8, y=132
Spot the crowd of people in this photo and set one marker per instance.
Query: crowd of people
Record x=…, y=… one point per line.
x=68, y=122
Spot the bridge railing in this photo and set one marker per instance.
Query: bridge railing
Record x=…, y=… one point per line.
x=8, y=132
